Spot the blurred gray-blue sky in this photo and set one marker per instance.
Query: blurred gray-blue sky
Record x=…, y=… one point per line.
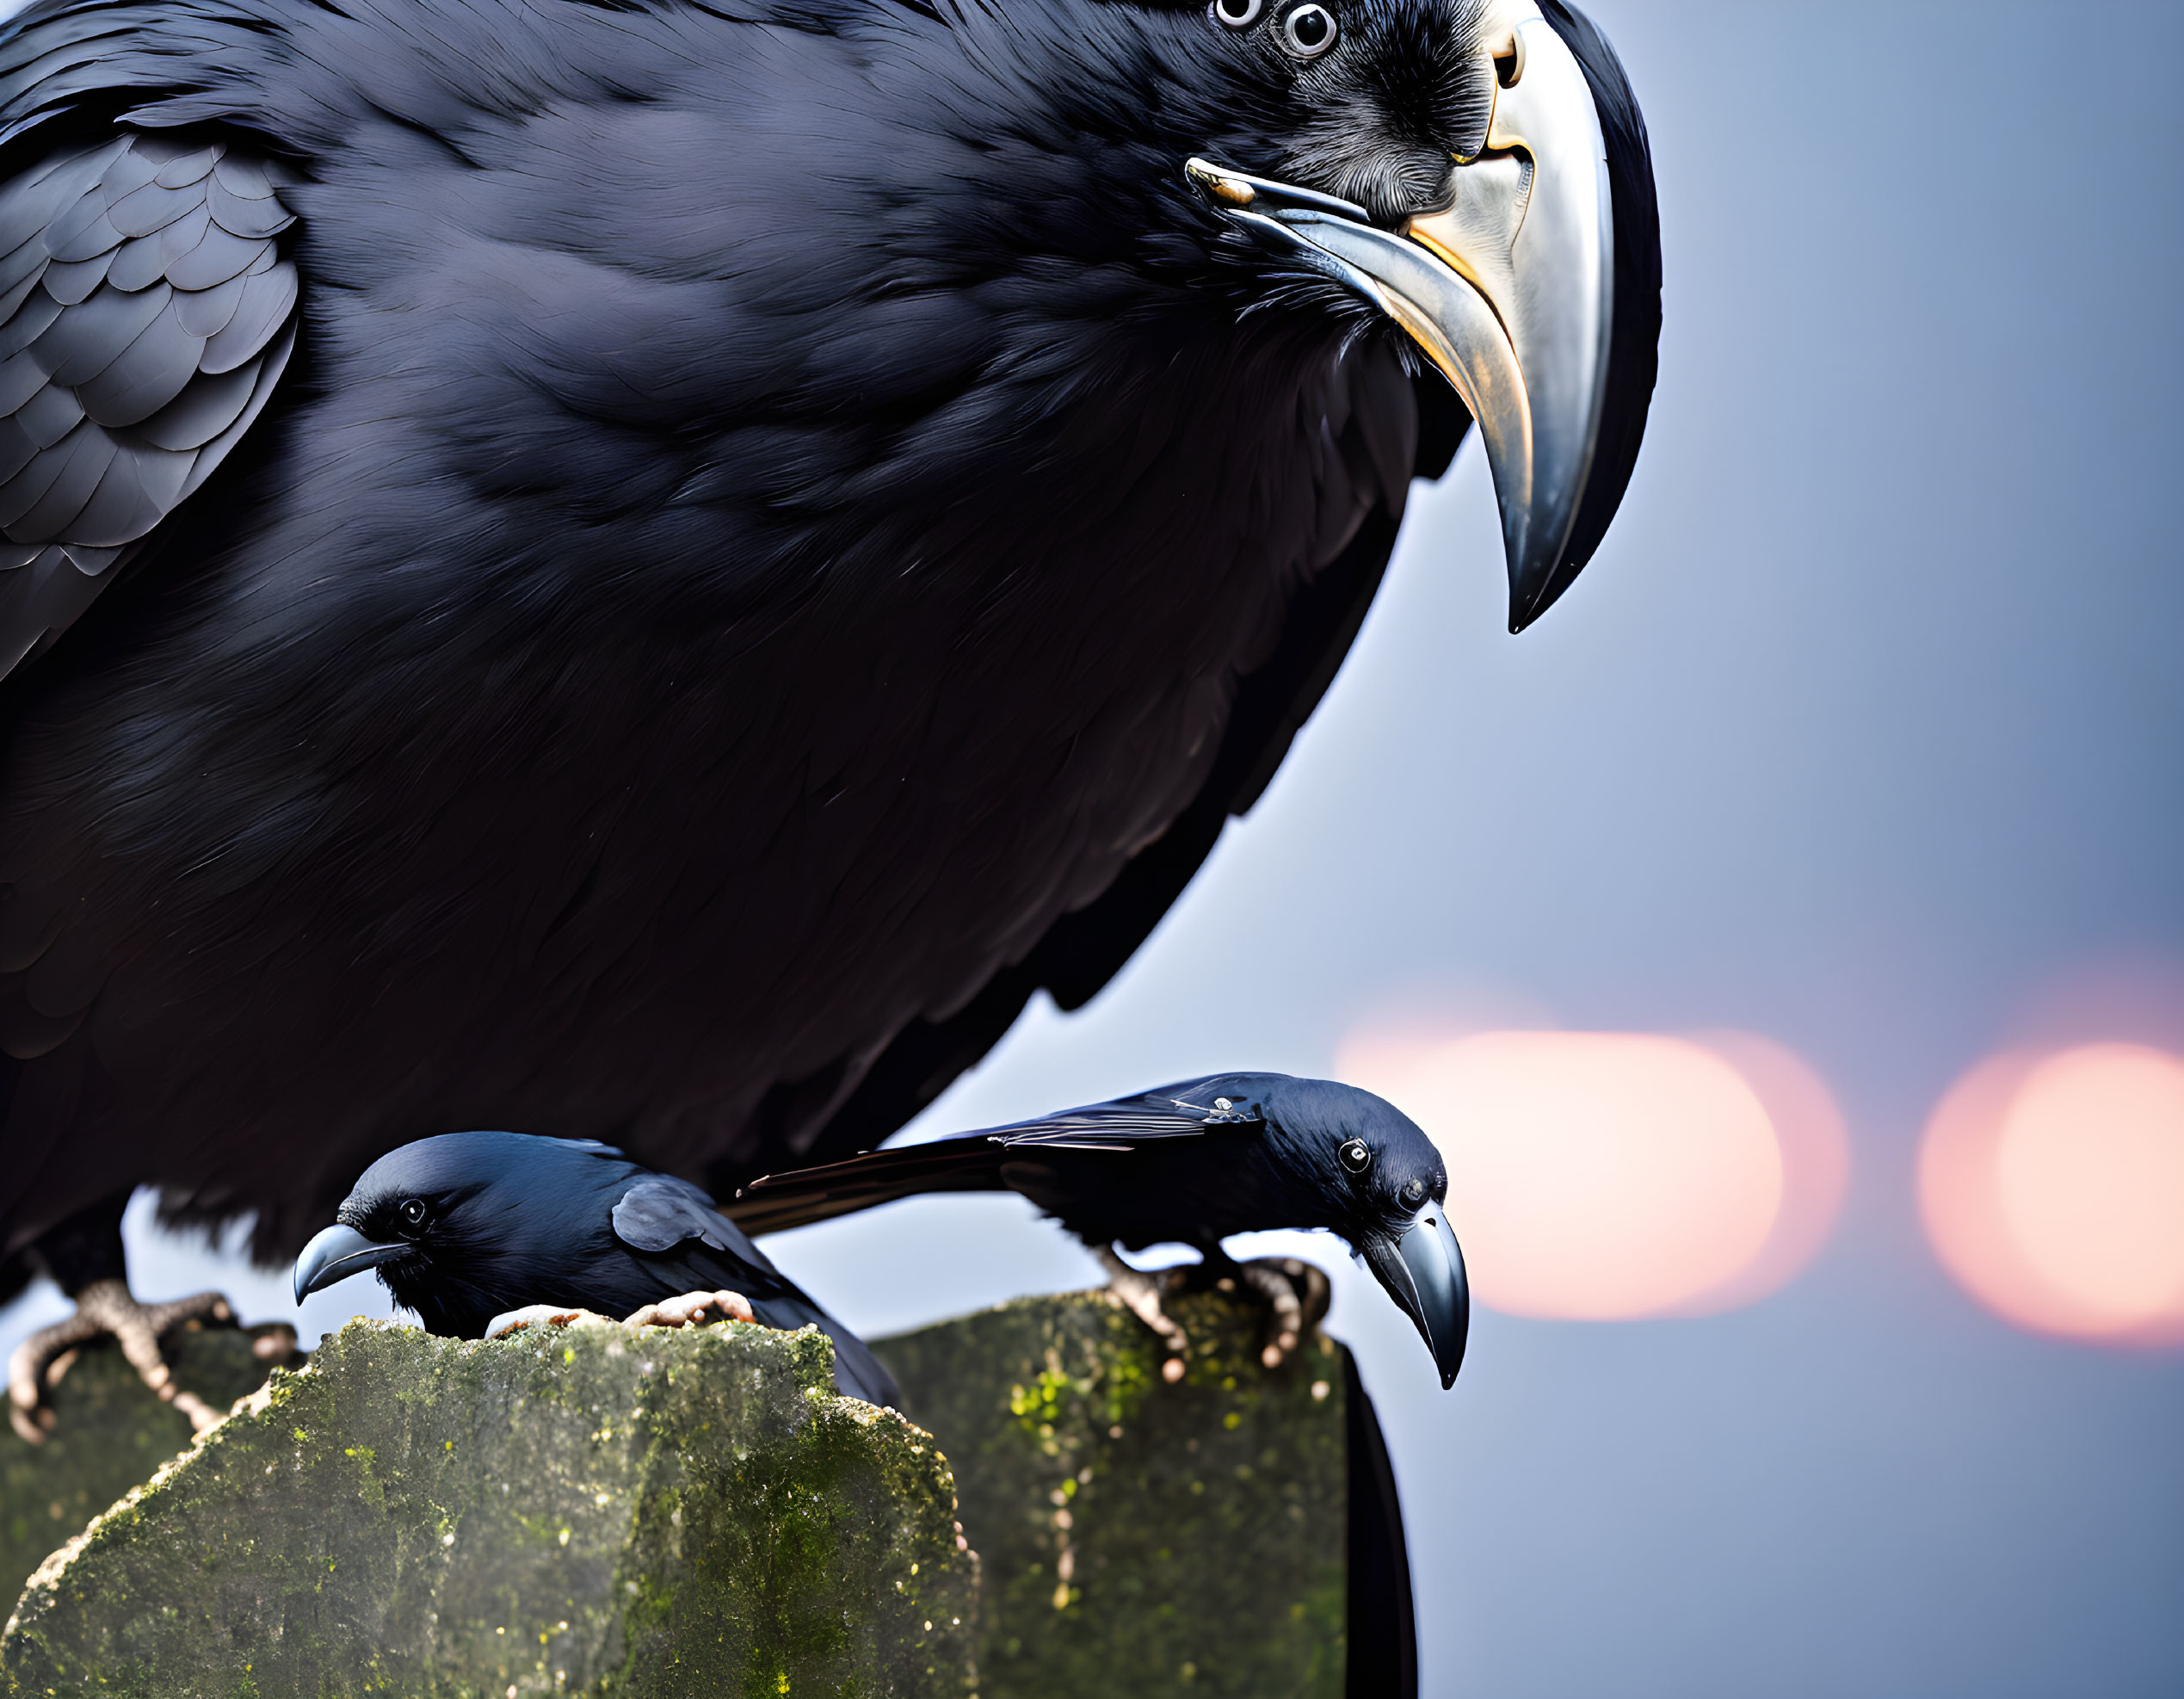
x=1862, y=731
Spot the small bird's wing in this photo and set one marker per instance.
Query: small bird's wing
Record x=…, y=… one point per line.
x=658, y=1212
x=146, y=311
x=1181, y=1111
x=974, y=1162
x=673, y=1221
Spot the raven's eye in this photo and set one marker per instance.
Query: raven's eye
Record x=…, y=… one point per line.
x=1356, y=1156
x=1308, y=32
x=1239, y=14
x=413, y=1212
x=1414, y=1193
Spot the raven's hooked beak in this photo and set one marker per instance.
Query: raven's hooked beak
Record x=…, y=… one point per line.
x=336, y=1252
x=1422, y=1268
x=1542, y=312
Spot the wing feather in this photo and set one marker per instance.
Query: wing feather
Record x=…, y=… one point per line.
x=90, y=451
x=974, y=1161
x=147, y=313
x=268, y=300
x=1171, y=1112
x=206, y=313
x=153, y=207
x=69, y=282
x=777, y=1202
x=659, y=1213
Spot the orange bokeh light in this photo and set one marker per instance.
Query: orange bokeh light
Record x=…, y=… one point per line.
x=1608, y=1176
x=1809, y=1131
x=2052, y=1187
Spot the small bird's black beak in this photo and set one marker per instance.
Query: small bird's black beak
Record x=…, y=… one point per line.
x=334, y=1254
x=1422, y=1268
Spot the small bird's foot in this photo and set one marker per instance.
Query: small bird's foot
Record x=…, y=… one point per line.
x=1296, y=1295
x=693, y=1309
x=540, y=1315
x=107, y=1306
x=1139, y=1293
x=1294, y=1292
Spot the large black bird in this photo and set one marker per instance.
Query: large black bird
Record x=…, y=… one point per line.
x=642, y=569
x=471, y=1229
x=1192, y=1164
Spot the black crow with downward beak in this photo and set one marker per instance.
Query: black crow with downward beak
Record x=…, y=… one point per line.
x=1192, y=1164
x=649, y=569
x=483, y=1233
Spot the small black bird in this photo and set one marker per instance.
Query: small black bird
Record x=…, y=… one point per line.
x=1191, y=1164
x=468, y=1228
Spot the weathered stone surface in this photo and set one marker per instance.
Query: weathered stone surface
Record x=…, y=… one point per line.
x=111, y=1432
x=1137, y=1538
x=675, y=1512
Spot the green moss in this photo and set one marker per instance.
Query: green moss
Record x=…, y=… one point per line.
x=675, y=1512
x=1137, y=1538
x=698, y=1513
x=110, y=1433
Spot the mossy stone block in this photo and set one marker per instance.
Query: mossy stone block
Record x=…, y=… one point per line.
x=111, y=1432
x=1139, y=1538
x=678, y=1511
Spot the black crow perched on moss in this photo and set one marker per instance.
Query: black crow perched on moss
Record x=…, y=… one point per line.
x=1192, y=1164
x=474, y=1230
x=646, y=569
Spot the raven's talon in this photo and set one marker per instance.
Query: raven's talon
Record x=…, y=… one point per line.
x=540, y=1315
x=201, y=1415
x=689, y=1310
x=107, y=1306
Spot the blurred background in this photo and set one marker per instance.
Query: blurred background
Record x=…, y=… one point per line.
x=1784, y=939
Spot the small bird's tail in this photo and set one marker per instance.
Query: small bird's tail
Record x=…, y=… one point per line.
x=779, y=1201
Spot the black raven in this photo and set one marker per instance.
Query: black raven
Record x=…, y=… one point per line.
x=645, y=569
x=1192, y=1164
x=472, y=1230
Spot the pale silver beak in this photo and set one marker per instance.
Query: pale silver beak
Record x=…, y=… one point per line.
x=1422, y=1268
x=1510, y=291
x=336, y=1252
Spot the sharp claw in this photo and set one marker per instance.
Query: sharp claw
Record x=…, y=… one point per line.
x=689, y=1310
x=201, y=1415
x=1296, y=1292
x=537, y=1315
x=105, y=1306
x=1139, y=1293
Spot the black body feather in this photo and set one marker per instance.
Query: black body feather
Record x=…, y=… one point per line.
x=782, y=534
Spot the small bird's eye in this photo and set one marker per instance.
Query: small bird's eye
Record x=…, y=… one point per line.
x=1356, y=1156
x=1239, y=14
x=413, y=1212
x=1308, y=32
